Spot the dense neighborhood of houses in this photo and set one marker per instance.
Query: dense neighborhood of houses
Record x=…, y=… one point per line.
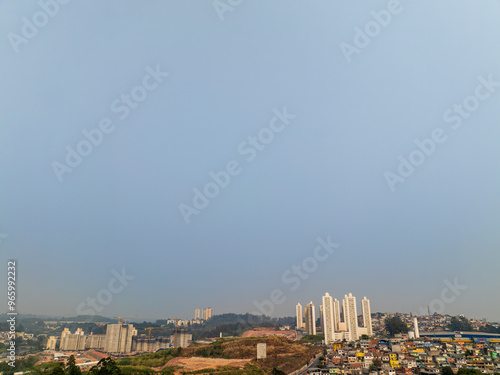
x=402, y=356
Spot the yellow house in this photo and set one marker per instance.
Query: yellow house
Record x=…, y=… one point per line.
x=394, y=364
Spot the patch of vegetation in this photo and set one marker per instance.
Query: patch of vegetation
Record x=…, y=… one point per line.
x=460, y=324
x=312, y=339
x=490, y=329
x=169, y=370
x=105, y=366
x=20, y=365
x=468, y=371
x=214, y=350
x=48, y=368
x=157, y=359
x=395, y=325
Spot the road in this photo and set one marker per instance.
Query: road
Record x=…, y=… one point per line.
x=314, y=363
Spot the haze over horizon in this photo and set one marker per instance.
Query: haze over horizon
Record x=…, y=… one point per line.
x=314, y=144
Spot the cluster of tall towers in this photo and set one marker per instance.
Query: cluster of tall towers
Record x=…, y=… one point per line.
x=206, y=313
x=336, y=324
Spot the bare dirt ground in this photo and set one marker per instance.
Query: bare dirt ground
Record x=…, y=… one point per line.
x=258, y=332
x=198, y=363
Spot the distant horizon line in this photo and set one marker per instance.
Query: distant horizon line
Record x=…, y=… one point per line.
x=150, y=319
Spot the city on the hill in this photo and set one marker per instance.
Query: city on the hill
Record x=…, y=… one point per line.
x=336, y=341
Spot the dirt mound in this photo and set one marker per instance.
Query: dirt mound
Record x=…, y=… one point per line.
x=259, y=332
x=199, y=363
x=284, y=354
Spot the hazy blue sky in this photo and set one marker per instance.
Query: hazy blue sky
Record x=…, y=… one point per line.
x=350, y=115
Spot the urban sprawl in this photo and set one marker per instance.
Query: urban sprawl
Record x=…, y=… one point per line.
x=342, y=341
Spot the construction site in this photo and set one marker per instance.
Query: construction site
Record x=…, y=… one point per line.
x=120, y=339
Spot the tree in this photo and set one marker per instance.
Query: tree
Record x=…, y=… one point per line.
x=460, y=324
x=57, y=370
x=490, y=329
x=21, y=364
x=468, y=371
x=275, y=371
x=395, y=325
x=40, y=342
x=106, y=366
x=71, y=367
x=447, y=370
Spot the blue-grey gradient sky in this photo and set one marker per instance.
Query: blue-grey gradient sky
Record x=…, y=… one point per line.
x=231, y=66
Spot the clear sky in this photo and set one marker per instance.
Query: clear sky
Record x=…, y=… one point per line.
x=337, y=95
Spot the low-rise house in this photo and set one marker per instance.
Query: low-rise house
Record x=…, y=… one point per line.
x=411, y=364
x=394, y=364
x=318, y=371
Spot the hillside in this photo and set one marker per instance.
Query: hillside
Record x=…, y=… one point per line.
x=228, y=356
x=238, y=356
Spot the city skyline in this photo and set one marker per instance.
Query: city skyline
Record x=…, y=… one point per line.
x=171, y=157
x=152, y=319
x=475, y=347
x=336, y=325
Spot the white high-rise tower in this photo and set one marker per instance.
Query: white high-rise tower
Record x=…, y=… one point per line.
x=328, y=319
x=415, y=327
x=300, y=316
x=351, y=316
x=336, y=314
x=310, y=319
x=119, y=338
x=367, y=316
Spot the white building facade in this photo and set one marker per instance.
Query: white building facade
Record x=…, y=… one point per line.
x=310, y=319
